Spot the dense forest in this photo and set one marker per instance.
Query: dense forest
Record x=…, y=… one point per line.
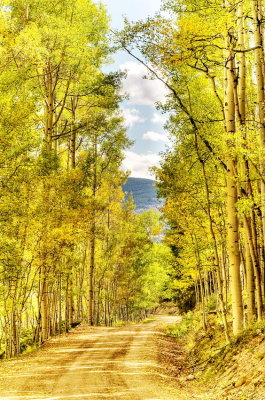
x=71, y=248
x=210, y=55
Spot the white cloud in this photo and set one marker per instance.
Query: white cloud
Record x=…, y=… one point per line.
x=141, y=91
x=132, y=117
x=159, y=119
x=156, y=137
x=139, y=164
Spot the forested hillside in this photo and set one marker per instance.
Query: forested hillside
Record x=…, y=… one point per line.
x=144, y=193
x=71, y=249
x=210, y=55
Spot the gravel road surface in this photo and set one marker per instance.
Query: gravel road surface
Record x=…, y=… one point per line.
x=93, y=364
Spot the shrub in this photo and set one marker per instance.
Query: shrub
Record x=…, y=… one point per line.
x=26, y=340
x=188, y=322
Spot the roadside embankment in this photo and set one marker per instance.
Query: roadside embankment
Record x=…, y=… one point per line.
x=204, y=364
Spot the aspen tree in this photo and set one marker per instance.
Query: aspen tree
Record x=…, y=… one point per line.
x=232, y=194
x=92, y=241
x=240, y=88
x=259, y=71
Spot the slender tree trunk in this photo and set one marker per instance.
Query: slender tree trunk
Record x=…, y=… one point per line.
x=60, y=303
x=256, y=264
x=49, y=107
x=93, y=238
x=73, y=135
x=259, y=69
x=201, y=285
x=44, y=306
x=232, y=197
x=66, y=318
x=215, y=245
x=250, y=277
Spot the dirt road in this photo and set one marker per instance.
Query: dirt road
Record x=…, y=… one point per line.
x=92, y=364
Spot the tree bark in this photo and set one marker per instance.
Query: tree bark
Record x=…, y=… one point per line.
x=232, y=196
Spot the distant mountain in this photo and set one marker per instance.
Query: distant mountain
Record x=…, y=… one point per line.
x=144, y=193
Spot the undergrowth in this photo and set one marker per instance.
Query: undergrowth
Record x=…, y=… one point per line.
x=189, y=322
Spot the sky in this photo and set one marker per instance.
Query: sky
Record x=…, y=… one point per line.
x=144, y=123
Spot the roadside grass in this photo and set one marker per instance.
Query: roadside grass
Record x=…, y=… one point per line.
x=30, y=349
x=119, y=324
x=149, y=320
